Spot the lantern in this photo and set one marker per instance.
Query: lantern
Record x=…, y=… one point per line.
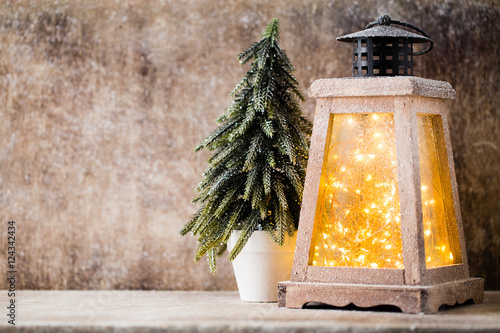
x=380, y=222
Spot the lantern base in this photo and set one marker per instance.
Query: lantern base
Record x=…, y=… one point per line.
x=410, y=299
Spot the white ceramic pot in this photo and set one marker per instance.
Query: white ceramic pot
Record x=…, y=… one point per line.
x=261, y=265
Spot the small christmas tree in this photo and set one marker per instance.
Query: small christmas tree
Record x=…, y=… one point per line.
x=255, y=176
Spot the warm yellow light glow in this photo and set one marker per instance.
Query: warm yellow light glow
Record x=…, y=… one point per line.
x=357, y=222
x=440, y=229
x=361, y=219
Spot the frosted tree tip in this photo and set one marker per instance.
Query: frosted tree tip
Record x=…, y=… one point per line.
x=273, y=30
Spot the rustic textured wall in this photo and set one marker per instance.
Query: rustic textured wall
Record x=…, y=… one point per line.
x=102, y=103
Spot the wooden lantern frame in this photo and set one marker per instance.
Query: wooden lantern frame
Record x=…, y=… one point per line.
x=415, y=288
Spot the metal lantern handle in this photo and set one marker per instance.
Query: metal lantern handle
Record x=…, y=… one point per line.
x=386, y=20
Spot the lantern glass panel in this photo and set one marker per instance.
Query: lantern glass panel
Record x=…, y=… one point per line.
x=357, y=219
x=442, y=246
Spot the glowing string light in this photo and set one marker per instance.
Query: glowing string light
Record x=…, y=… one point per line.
x=358, y=207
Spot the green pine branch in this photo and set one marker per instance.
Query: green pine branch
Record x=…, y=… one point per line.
x=254, y=179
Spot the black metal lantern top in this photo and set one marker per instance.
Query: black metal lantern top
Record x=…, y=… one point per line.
x=382, y=50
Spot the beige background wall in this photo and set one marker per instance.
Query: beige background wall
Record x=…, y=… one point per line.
x=102, y=103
